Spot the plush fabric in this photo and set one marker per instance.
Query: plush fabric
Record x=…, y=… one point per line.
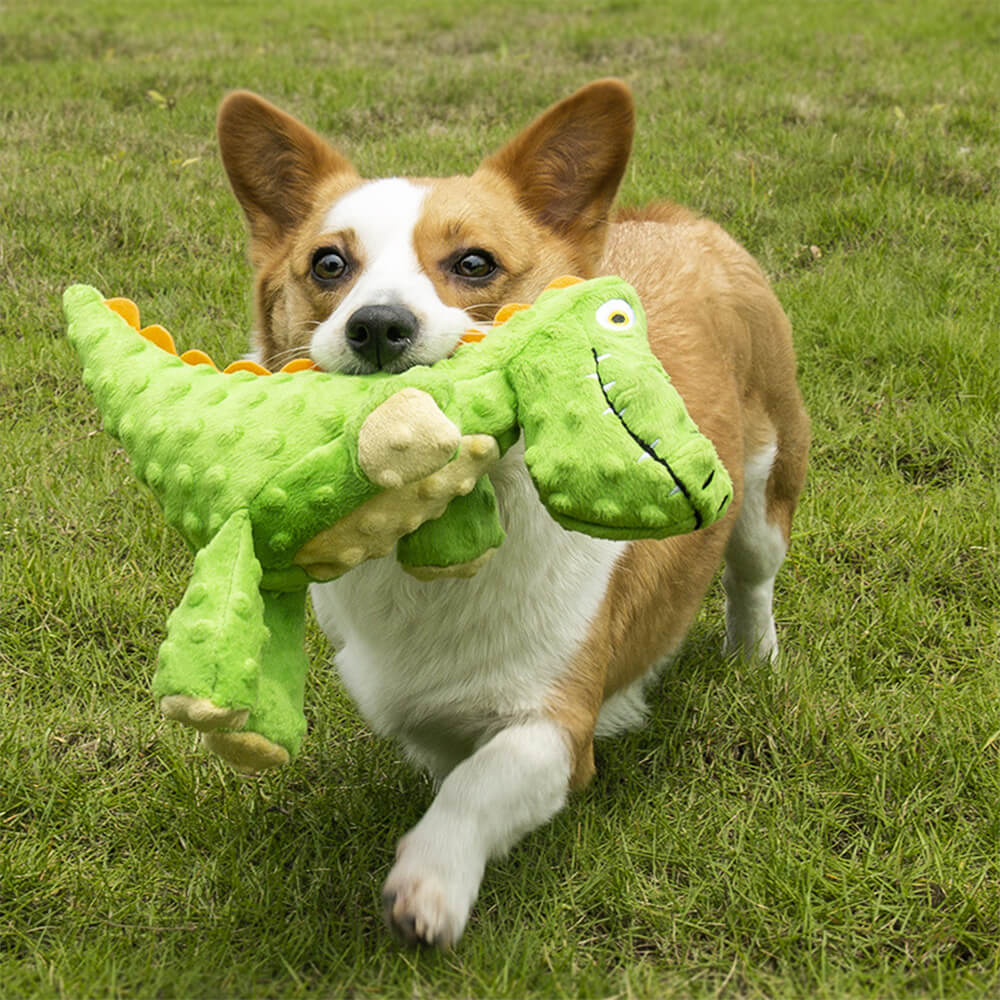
x=276, y=480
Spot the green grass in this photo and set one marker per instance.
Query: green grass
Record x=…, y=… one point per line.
x=826, y=827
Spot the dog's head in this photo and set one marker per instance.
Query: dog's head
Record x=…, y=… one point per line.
x=366, y=275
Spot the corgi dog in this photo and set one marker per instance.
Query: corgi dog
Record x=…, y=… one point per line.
x=499, y=684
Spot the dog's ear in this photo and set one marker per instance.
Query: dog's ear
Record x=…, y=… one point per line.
x=566, y=165
x=274, y=163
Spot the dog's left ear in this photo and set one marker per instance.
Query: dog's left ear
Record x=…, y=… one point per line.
x=275, y=164
x=567, y=165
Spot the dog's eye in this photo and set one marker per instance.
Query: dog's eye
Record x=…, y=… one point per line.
x=474, y=264
x=328, y=264
x=615, y=314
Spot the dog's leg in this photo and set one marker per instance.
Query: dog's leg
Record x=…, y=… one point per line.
x=754, y=555
x=512, y=784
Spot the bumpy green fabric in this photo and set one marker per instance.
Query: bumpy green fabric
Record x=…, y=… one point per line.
x=278, y=480
x=216, y=634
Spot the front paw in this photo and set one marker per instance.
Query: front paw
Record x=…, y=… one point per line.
x=430, y=891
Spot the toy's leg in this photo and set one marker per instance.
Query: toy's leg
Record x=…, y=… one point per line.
x=273, y=732
x=208, y=670
x=457, y=543
x=372, y=530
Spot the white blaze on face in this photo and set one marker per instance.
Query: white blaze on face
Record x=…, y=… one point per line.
x=383, y=215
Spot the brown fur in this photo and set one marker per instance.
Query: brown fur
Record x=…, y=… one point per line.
x=541, y=206
x=719, y=331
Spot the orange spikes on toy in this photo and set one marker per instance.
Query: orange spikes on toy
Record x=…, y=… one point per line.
x=156, y=334
x=564, y=282
x=300, y=365
x=246, y=366
x=125, y=308
x=196, y=357
x=471, y=336
x=508, y=310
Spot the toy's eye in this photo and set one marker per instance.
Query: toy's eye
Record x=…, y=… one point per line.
x=475, y=264
x=328, y=264
x=616, y=314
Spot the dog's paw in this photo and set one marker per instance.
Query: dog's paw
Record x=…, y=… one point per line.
x=428, y=895
x=760, y=645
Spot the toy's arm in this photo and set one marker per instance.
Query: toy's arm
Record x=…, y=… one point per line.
x=463, y=538
x=410, y=446
x=391, y=469
x=459, y=542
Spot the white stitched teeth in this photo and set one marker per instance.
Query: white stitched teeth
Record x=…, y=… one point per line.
x=642, y=455
x=608, y=385
x=604, y=357
x=607, y=411
x=654, y=444
x=592, y=375
x=674, y=491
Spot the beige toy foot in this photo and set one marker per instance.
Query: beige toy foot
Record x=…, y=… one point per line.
x=247, y=752
x=200, y=713
x=462, y=571
x=406, y=438
x=372, y=530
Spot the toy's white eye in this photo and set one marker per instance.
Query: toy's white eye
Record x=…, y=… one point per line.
x=615, y=314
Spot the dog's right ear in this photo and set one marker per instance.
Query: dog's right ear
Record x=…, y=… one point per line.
x=274, y=163
x=567, y=164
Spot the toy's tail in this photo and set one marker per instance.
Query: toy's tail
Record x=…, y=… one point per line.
x=122, y=369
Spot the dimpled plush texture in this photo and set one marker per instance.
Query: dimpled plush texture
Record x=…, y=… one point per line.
x=611, y=447
x=216, y=634
x=277, y=480
x=207, y=444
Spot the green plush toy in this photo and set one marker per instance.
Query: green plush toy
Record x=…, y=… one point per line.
x=301, y=475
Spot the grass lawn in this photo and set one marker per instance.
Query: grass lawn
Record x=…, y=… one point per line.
x=826, y=827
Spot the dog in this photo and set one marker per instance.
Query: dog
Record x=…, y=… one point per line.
x=499, y=684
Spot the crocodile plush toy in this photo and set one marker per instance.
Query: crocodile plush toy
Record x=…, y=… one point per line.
x=299, y=476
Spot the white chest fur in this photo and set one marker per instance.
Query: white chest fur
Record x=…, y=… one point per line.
x=441, y=665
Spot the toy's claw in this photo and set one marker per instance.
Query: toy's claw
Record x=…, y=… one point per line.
x=456, y=571
x=406, y=438
x=247, y=752
x=200, y=713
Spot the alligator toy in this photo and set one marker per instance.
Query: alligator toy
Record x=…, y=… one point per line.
x=279, y=481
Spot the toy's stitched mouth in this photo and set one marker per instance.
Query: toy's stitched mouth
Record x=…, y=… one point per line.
x=648, y=449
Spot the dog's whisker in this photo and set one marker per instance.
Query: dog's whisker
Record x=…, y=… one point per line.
x=291, y=353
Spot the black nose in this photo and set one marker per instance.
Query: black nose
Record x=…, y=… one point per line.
x=380, y=333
